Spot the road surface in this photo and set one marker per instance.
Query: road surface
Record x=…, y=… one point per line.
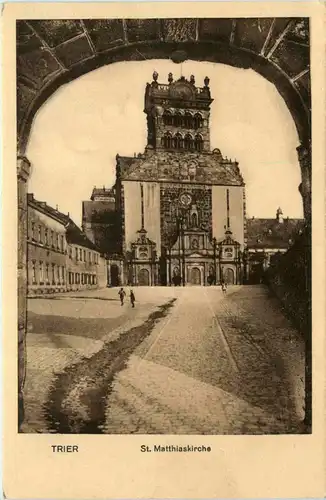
x=184, y=361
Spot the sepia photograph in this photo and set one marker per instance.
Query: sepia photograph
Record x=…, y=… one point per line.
x=164, y=248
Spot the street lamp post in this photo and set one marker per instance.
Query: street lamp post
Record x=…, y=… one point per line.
x=220, y=266
x=239, y=266
x=182, y=261
x=179, y=241
x=183, y=253
x=214, y=248
x=245, y=260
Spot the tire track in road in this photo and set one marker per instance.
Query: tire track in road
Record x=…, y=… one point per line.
x=262, y=371
x=77, y=400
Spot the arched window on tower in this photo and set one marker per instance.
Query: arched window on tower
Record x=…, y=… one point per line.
x=167, y=117
x=188, y=120
x=198, y=120
x=194, y=220
x=178, y=119
x=167, y=140
x=188, y=141
x=178, y=141
x=198, y=142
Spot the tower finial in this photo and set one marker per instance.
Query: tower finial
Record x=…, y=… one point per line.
x=206, y=81
x=170, y=78
x=155, y=76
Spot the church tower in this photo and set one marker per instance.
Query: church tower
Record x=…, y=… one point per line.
x=178, y=114
x=181, y=204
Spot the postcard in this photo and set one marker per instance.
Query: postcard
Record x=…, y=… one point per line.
x=164, y=278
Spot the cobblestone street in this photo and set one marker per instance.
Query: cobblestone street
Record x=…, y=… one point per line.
x=184, y=361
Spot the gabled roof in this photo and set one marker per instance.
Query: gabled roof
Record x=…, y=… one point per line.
x=270, y=233
x=43, y=207
x=75, y=236
x=180, y=166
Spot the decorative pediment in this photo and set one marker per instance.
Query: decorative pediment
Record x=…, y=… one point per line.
x=228, y=240
x=163, y=166
x=143, y=240
x=196, y=255
x=143, y=249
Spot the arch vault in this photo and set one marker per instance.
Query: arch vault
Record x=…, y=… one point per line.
x=51, y=53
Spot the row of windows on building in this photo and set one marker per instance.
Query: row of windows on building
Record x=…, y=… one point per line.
x=187, y=142
x=47, y=237
x=52, y=239
x=82, y=278
x=84, y=256
x=186, y=120
x=45, y=273
x=52, y=274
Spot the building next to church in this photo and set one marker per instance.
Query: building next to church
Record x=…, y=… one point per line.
x=60, y=256
x=266, y=238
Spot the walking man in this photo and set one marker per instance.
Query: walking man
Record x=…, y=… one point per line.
x=224, y=287
x=132, y=298
x=122, y=295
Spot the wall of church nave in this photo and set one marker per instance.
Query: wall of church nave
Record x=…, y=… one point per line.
x=132, y=211
x=236, y=212
x=152, y=216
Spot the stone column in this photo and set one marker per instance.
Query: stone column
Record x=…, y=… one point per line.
x=304, y=155
x=23, y=171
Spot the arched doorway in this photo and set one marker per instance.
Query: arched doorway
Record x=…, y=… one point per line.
x=203, y=40
x=229, y=276
x=114, y=274
x=195, y=278
x=143, y=277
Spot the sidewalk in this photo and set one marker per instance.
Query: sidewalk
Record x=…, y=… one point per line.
x=63, y=332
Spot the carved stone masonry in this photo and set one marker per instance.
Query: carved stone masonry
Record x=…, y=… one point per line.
x=304, y=155
x=23, y=172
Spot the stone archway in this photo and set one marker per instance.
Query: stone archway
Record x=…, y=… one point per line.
x=195, y=276
x=143, y=277
x=229, y=276
x=50, y=53
x=114, y=275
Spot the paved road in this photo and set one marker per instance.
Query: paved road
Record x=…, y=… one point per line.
x=213, y=365
x=185, y=361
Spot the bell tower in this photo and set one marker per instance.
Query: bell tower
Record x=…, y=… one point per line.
x=178, y=114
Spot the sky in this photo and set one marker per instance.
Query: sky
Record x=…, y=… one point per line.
x=77, y=133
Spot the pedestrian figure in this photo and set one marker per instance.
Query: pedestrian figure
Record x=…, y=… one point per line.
x=132, y=298
x=223, y=287
x=122, y=295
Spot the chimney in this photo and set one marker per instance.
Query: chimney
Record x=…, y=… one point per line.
x=279, y=215
x=56, y=207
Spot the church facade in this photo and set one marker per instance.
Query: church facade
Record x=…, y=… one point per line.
x=177, y=212
x=181, y=204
